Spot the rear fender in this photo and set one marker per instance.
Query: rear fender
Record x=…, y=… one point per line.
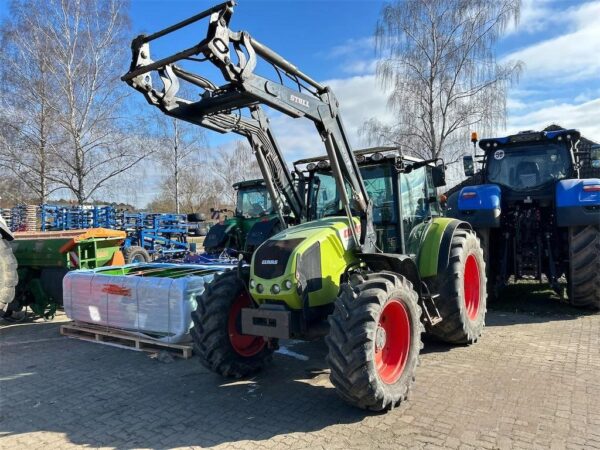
x=578, y=202
x=217, y=235
x=435, y=242
x=479, y=205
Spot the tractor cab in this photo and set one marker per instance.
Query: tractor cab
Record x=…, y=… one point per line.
x=252, y=200
x=253, y=221
x=402, y=197
x=528, y=163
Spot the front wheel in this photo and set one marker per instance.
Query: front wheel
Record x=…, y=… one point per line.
x=462, y=289
x=375, y=340
x=218, y=339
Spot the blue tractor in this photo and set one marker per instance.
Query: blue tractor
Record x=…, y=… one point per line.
x=535, y=204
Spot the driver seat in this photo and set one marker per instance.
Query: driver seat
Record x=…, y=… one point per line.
x=528, y=174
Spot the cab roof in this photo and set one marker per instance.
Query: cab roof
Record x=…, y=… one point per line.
x=530, y=136
x=249, y=183
x=386, y=151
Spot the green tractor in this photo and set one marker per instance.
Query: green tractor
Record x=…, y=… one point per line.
x=8, y=268
x=254, y=220
x=371, y=266
x=427, y=272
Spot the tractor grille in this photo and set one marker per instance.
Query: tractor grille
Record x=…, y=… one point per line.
x=309, y=268
x=272, y=257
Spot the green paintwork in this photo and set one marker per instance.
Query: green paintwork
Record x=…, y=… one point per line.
x=156, y=271
x=337, y=253
x=426, y=239
x=40, y=253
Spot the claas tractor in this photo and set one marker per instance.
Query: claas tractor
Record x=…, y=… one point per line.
x=8, y=268
x=253, y=221
x=371, y=265
x=536, y=212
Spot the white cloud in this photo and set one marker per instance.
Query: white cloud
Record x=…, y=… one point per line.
x=583, y=116
x=536, y=15
x=360, y=98
x=570, y=57
x=353, y=46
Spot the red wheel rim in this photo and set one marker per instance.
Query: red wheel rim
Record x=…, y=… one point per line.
x=392, y=341
x=243, y=344
x=472, y=287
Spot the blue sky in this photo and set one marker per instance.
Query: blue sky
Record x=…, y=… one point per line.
x=558, y=40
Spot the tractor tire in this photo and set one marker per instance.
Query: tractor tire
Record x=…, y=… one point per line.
x=584, y=266
x=218, y=340
x=462, y=302
x=8, y=275
x=369, y=369
x=135, y=254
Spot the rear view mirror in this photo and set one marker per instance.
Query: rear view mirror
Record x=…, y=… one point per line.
x=595, y=156
x=438, y=174
x=468, y=166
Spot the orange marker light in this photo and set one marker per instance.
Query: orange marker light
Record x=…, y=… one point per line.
x=474, y=136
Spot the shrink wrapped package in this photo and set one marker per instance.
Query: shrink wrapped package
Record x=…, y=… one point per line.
x=153, y=306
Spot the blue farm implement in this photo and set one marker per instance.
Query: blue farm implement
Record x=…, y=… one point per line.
x=148, y=234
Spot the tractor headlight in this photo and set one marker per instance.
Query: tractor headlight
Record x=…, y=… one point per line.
x=323, y=164
x=260, y=288
x=287, y=284
x=275, y=289
x=252, y=284
x=311, y=166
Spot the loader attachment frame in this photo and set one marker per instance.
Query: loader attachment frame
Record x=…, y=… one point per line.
x=235, y=55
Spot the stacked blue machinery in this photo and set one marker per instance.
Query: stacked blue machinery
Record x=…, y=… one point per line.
x=156, y=233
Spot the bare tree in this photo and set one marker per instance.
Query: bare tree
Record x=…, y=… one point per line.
x=182, y=154
x=231, y=166
x=28, y=135
x=88, y=44
x=438, y=61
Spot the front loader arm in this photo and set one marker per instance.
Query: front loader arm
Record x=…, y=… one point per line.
x=235, y=55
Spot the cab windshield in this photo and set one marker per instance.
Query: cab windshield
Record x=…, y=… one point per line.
x=253, y=202
x=529, y=166
x=325, y=200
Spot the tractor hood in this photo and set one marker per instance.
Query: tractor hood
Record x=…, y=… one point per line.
x=305, y=261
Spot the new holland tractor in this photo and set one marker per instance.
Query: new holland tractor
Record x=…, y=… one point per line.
x=8, y=268
x=253, y=221
x=371, y=265
x=536, y=216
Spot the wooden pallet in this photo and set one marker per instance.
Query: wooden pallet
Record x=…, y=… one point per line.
x=122, y=339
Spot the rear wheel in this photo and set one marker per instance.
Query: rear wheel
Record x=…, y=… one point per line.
x=8, y=274
x=135, y=255
x=217, y=328
x=462, y=288
x=584, y=266
x=375, y=340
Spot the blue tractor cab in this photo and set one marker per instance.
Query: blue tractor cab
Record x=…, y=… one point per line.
x=536, y=207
